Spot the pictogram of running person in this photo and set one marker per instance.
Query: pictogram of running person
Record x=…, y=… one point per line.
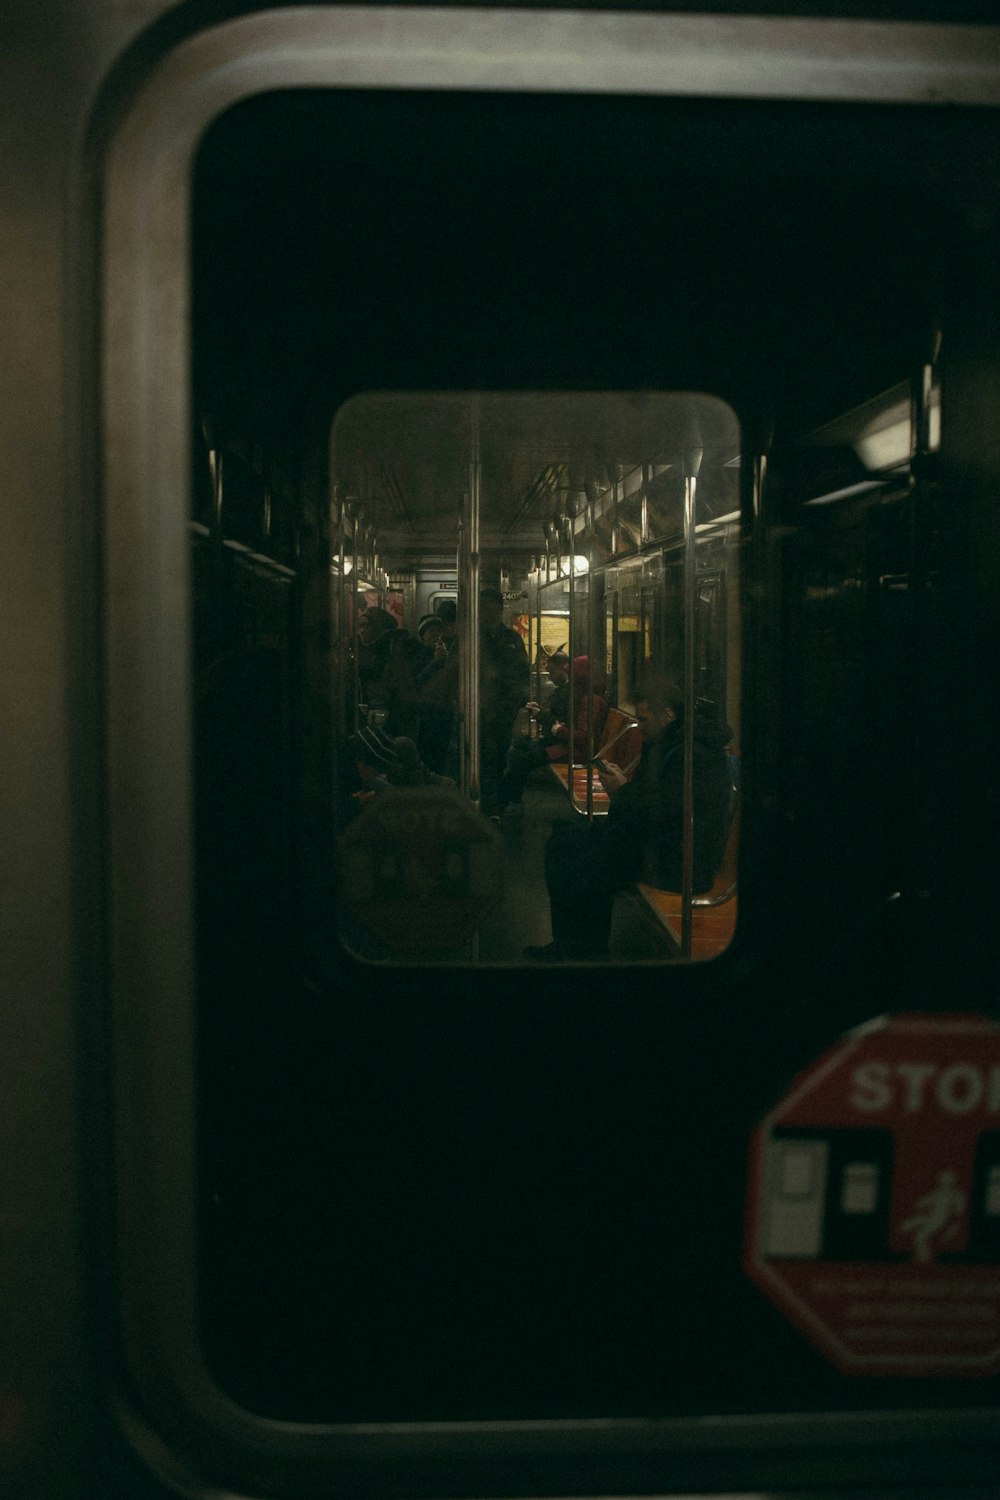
x=937, y=1222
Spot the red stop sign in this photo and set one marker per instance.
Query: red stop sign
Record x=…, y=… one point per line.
x=420, y=868
x=873, y=1216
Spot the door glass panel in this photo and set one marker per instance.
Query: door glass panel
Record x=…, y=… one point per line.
x=531, y=596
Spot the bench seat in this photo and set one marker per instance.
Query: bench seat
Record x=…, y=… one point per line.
x=712, y=927
x=621, y=743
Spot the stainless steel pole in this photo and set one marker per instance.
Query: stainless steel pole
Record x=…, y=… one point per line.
x=692, y=466
x=538, y=632
x=566, y=525
x=338, y=658
x=470, y=646
x=532, y=643
x=643, y=505
x=592, y=640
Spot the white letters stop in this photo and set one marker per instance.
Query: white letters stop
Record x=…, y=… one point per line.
x=957, y=1089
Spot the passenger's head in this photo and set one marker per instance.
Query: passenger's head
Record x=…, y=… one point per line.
x=558, y=666
x=447, y=613
x=581, y=671
x=430, y=629
x=374, y=623
x=658, y=703
x=490, y=608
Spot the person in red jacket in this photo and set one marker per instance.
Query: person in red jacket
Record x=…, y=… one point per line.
x=527, y=754
x=588, y=699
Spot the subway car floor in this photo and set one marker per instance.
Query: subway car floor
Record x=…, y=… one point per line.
x=522, y=918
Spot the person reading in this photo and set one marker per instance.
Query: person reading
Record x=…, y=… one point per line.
x=642, y=838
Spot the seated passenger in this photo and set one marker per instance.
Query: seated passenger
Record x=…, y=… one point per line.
x=409, y=769
x=642, y=838
x=382, y=761
x=588, y=700
x=526, y=754
x=374, y=756
x=553, y=683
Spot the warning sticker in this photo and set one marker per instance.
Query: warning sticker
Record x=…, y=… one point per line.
x=873, y=1216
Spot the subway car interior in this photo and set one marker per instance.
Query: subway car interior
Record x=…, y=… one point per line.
x=533, y=476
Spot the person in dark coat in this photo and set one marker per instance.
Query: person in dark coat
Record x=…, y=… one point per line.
x=553, y=703
x=369, y=760
x=430, y=634
x=373, y=762
x=387, y=663
x=642, y=838
x=503, y=689
x=437, y=689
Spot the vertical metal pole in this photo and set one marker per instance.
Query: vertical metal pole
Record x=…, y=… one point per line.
x=470, y=646
x=566, y=523
x=339, y=658
x=355, y=638
x=593, y=594
x=532, y=643
x=461, y=609
x=266, y=518
x=217, y=462
x=759, y=480
x=692, y=466
x=643, y=618
x=616, y=601
x=644, y=505
x=537, y=606
x=920, y=623
x=472, y=652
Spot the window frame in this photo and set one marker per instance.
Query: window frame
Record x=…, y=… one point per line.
x=145, y=483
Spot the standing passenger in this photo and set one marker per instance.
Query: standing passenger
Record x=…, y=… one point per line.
x=503, y=688
x=386, y=660
x=437, y=690
x=430, y=633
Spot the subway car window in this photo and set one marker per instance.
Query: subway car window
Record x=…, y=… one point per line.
x=547, y=690
x=564, y=462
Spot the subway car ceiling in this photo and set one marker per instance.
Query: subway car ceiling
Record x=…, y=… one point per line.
x=363, y=241
x=409, y=458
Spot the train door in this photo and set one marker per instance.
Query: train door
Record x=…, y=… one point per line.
x=455, y=1220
